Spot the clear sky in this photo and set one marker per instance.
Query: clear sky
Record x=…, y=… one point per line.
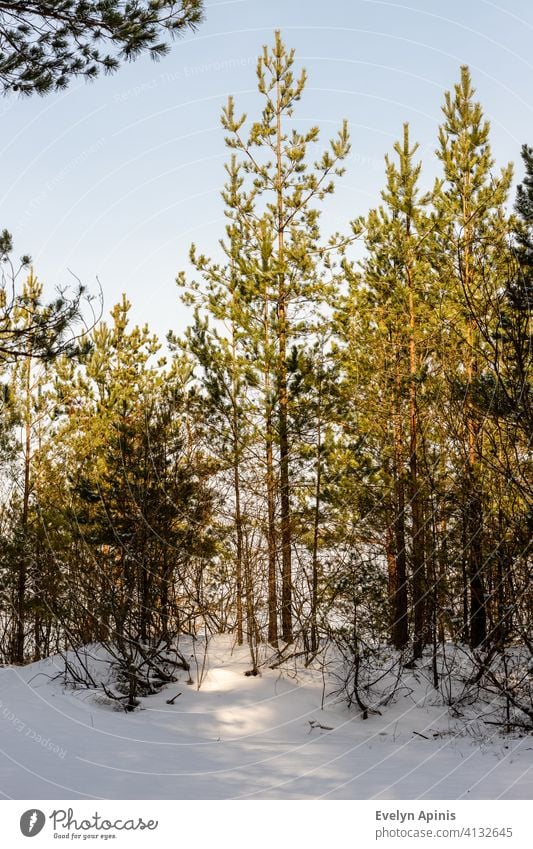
x=115, y=178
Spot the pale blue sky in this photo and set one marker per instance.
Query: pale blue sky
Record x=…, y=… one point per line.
x=115, y=178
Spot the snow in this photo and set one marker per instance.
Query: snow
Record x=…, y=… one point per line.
x=239, y=737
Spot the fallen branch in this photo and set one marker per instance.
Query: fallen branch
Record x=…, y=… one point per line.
x=173, y=699
x=314, y=724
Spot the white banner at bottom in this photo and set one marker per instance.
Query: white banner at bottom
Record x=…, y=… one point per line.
x=266, y=824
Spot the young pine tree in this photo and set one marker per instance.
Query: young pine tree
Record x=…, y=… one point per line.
x=471, y=233
x=281, y=208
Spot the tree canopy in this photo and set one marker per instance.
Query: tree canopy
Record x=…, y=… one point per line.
x=43, y=45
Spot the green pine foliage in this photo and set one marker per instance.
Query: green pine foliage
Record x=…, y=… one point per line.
x=44, y=45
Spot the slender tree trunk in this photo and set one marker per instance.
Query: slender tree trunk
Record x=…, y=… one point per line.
x=499, y=630
x=271, y=538
x=251, y=625
x=397, y=616
x=400, y=621
x=146, y=591
x=432, y=560
x=316, y=529
x=417, y=523
x=238, y=531
x=478, y=623
x=283, y=403
x=146, y=564
x=18, y=653
x=464, y=574
x=237, y=487
x=164, y=595
x=442, y=570
x=270, y=485
x=478, y=617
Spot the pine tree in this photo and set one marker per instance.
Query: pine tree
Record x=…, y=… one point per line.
x=27, y=399
x=516, y=313
x=219, y=340
x=315, y=395
x=140, y=506
x=391, y=298
x=471, y=232
x=283, y=195
x=53, y=329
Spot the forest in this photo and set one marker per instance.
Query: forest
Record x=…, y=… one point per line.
x=332, y=464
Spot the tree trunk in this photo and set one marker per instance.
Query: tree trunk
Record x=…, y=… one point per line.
x=18, y=648
x=400, y=620
x=316, y=528
x=417, y=524
x=270, y=488
x=237, y=485
x=283, y=404
x=478, y=614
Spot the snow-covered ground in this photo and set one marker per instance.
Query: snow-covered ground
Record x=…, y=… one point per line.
x=241, y=737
